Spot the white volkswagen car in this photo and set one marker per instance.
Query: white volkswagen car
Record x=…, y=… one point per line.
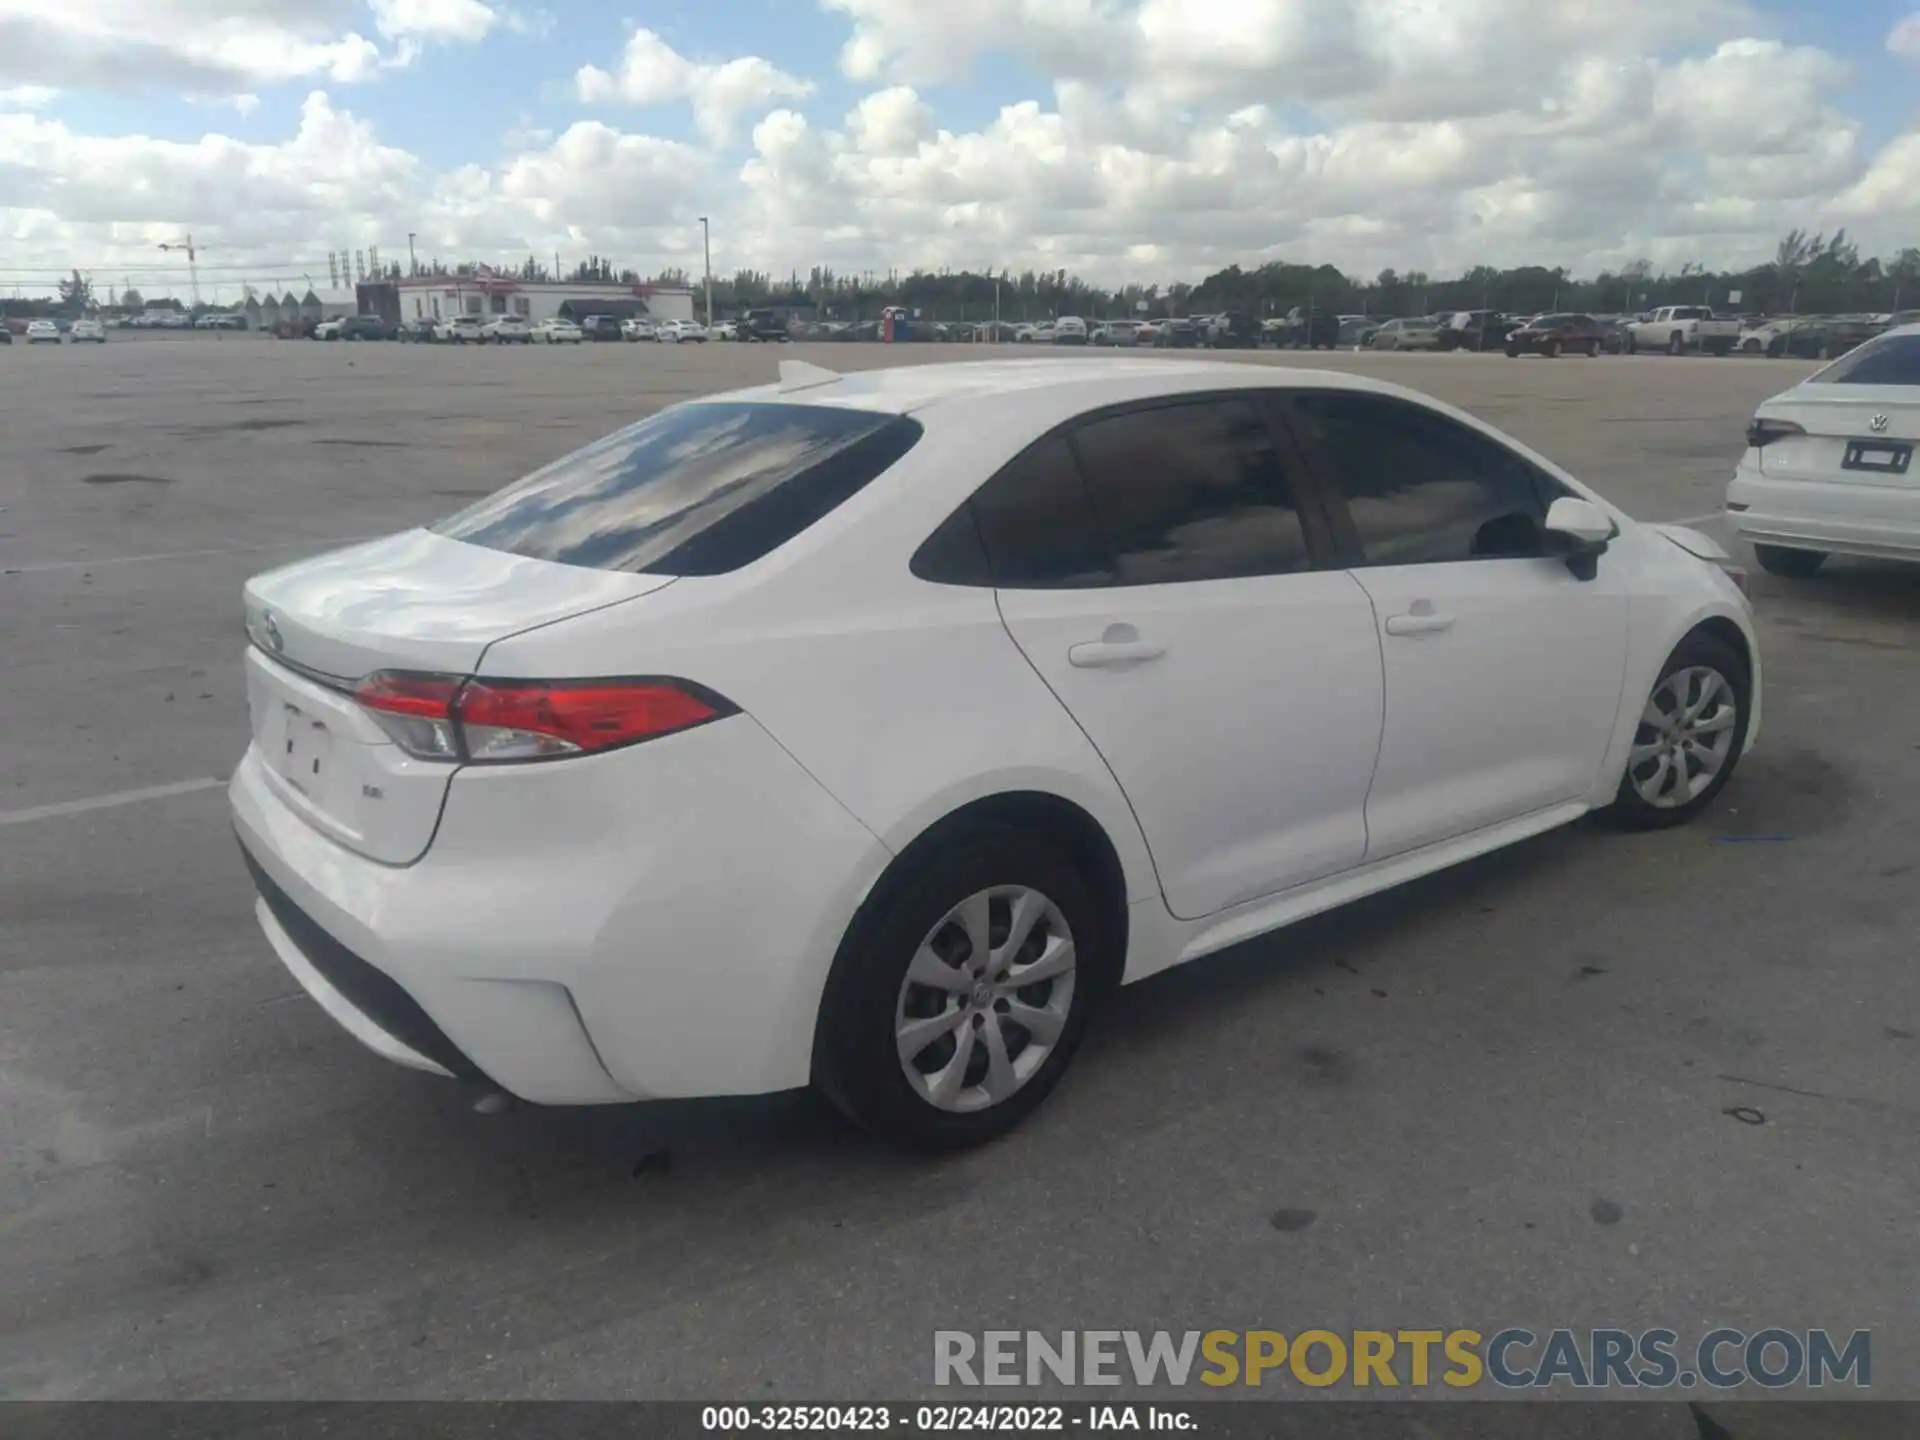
x=866, y=731
x=1829, y=467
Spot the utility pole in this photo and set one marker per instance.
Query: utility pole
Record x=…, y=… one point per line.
x=706, y=250
x=413, y=265
x=193, y=267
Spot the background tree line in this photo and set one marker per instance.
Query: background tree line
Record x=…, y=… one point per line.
x=1808, y=274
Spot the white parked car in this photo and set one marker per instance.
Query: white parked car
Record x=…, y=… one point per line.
x=1070, y=330
x=88, y=332
x=675, y=332
x=1829, y=467
x=1416, y=334
x=42, y=332
x=507, y=330
x=637, y=328
x=458, y=330
x=645, y=778
x=558, y=332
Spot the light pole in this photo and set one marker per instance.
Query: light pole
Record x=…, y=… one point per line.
x=706, y=251
x=413, y=265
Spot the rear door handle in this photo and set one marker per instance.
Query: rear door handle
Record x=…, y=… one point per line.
x=1418, y=624
x=1117, y=645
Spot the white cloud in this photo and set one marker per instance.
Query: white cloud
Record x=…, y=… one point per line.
x=462, y=20
x=27, y=97
x=201, y=47
x=1404, y=133
x=1904, y=39
x=652, y=72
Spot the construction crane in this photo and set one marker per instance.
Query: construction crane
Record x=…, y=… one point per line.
x=193, y=267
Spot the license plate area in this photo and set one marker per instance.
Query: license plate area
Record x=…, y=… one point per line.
x=1878, y=457
x=306, y=753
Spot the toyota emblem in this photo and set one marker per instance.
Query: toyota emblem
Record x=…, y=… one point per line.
x=1878, y=424
x=271, y=630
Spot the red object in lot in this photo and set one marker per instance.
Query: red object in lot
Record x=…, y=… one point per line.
x=1552, y=335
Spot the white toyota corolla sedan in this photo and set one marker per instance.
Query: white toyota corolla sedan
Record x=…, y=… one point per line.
x=865, y=731
x=1829, y=468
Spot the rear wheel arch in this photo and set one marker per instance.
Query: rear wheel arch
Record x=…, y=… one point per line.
x=1080, y=838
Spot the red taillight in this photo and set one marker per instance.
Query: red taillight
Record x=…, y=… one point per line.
x=531, y=720
x=442, y=717
x=416, y=710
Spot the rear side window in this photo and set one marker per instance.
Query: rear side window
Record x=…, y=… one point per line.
x=699, y=489
x=1037, y=523
x=1894, y=360
x=1192, y=492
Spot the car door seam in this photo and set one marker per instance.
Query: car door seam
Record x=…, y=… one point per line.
x=1380, y=731
x=1105, y=764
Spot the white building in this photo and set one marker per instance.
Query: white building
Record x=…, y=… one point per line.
x=440, y=297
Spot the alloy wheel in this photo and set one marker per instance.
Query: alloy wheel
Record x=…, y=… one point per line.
x=985, y=999
x=1685, y=737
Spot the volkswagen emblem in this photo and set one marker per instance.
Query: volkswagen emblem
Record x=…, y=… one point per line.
x=1878, y=424
x=271, y=629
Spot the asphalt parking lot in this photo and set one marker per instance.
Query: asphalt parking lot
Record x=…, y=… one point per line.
x=1501, y=1096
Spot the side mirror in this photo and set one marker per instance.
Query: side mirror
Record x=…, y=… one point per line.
x=1580, y=531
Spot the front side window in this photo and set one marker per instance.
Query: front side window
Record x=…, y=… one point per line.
x=1890, y=360
x=699, y=489
x=1423, y=489
x=1192, y=492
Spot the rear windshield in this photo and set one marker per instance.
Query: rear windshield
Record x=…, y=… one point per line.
x=699, y=489
x=1893, y=360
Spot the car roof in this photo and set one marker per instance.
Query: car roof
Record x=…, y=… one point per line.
x=1068, y=385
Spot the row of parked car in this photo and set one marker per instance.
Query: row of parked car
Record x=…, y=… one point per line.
x=55, y=332
x=499, y=330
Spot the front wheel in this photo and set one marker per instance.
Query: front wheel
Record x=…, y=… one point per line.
x=1689, y=737
x=957, y=1002
x=1552, y=352
x=1676, y=344
x=1789, y=563
x=1513, y=352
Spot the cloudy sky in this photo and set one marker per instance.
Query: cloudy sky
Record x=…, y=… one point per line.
x=1123, y=139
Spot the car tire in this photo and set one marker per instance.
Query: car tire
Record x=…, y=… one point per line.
x=1551, y=350
x=1630, y=346
x=1750, y=347
x=1676, y=344
x=1789, y=563
x=1593, y=350
x=915, y=919
x=1706, y=689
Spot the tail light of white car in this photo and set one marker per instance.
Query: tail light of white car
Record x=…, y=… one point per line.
x=478, y=721
x=1762, y=432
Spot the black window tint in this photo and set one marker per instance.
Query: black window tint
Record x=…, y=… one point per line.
x=1037, y=525
x=695, y=490
x=1891, y=361
x=1422, y=489
x=1192, y=492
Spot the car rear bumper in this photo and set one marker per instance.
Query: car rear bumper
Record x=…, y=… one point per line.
x=655, y=922
x=1835, y=517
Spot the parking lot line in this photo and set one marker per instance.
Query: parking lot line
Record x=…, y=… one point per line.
x=108, y=802
x=182, y=554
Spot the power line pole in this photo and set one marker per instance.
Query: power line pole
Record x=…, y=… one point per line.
x=193, y=266
x=706, y=249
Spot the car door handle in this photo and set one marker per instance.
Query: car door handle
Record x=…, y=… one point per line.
x=1095, y=653
x=1418, y=624
x=1118, y=645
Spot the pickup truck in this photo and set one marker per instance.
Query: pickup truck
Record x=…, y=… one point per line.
x=1677, y=329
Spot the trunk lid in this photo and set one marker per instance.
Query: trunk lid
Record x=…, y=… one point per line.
x=414, y=601
x=1834, y=417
